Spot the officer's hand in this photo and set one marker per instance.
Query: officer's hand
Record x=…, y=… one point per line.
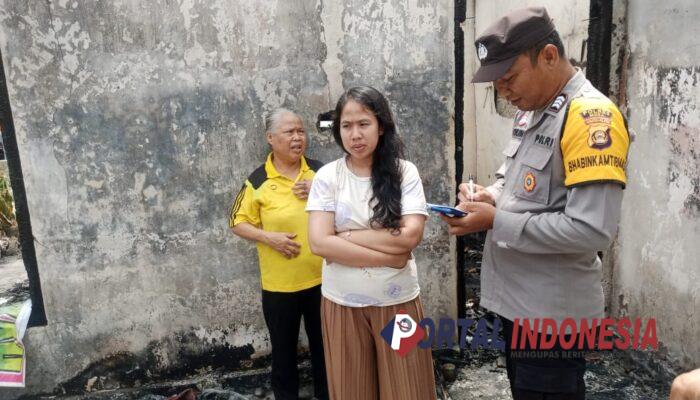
x=283, y=243
x=479, y=218
x=480, y=194
x=302, y=188
x=686, y=386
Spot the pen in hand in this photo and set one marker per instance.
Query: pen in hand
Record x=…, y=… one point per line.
x=470, y=186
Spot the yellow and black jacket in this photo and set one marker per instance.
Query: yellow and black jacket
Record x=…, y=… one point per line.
x=267, y=202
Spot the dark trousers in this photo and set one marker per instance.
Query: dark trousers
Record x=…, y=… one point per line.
x=283, y=312
x=554, y=374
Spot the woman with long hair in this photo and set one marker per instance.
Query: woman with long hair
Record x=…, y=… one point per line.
x=366, y=214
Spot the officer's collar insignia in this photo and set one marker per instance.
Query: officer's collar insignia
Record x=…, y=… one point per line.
x=558, y=103
x=521, y=120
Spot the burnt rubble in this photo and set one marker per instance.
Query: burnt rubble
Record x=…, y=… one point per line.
x=461, y=374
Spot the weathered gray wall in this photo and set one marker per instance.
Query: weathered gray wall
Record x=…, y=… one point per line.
x=137, y=123
x=657, y=267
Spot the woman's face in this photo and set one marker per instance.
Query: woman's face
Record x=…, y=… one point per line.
x=288, y=141
x=359, y=130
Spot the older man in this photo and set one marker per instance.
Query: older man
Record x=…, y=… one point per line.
x=269, y=210
x=556, y=201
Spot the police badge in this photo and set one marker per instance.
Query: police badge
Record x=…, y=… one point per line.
x=598, y=122
x=599, y=139
x=529, y=182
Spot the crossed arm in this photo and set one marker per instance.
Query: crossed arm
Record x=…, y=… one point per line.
x=368, y=247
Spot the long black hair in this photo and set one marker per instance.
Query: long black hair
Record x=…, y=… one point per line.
x=386, y=160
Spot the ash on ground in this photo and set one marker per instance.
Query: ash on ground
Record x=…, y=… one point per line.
x=14, y=285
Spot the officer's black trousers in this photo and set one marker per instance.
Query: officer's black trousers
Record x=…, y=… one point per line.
x=544, y=374
x=283, y=312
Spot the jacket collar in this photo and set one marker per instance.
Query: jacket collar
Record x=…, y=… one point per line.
x=272, y=171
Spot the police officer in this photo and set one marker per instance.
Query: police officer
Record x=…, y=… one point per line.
x=556, y=200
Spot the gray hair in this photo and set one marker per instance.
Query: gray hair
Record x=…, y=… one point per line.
x=273, y=118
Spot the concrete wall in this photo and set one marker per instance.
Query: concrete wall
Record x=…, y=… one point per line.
x=657, y=266
x=138, y=121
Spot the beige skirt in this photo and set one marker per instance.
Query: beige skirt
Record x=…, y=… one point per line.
x=361, y=365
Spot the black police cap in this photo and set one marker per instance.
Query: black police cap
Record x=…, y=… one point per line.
x=511, y=35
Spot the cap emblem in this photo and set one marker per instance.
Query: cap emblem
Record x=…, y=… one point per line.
x=482, y=52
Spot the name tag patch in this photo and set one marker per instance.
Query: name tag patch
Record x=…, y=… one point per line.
x=544, y=140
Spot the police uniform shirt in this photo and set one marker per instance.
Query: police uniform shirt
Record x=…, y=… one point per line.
x=558, y=198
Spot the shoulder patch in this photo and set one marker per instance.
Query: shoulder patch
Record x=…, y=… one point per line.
x=315, y=165
x=594, y=142
x=258, y=177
